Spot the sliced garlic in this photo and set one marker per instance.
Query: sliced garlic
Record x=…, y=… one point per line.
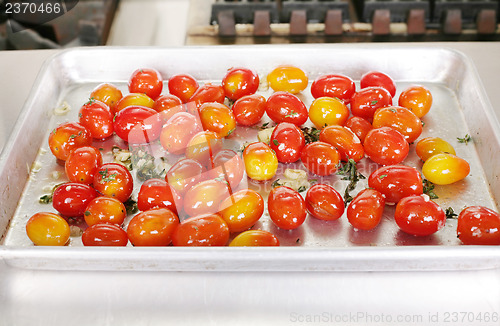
x=265, y=135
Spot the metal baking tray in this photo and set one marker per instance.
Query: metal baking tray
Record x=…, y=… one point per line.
x=460, y=107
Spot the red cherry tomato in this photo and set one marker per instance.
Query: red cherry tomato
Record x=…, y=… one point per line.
x=418, y=215
x=205, y=197
x=478, y=225
x=377, y=78
x=386, y=146
x=47, y=229
x=242, y=209
x=178, y=131
x=239, y=82
x=104, y=234
x=345, y=141
x=229, y=167
x=366, y=209
x=114, y=180
x=97, y=118
x=147, y=81
x=166, y=103
x=105, y=210
x=217, y=117
x=137, y=124
x=71, y=199
x=396, y=182
x=324, y=202
x=320, y=158
x=367, y=101
x=132, y=99
x=68, y=137
x=249, y=109
x=287, y=208
x=156, y=193
x=184, y=174
x=359, y=126
x=107, y=93
x=208, y=93
x=417, y=99
x=153, y=227
x=400, y=119
x=287, y=140
x=82, y=164
x=201, y=231
x=255, y=238
x=183, y=86
x=286, y=107
x=333, y=85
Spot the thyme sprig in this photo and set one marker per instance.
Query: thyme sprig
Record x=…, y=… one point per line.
x=311, y=134
x=429, y=189
x=350, y=172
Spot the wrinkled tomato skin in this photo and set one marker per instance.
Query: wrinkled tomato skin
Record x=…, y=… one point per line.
x=184, y=174
x=156, y=193
x=249, y=110
x=202, y=231
x=203, y=147
x=445, y=169
x=417, y=99
x=386, y=146
x=217, y=117
x=287, y=208
x=107, y=93
x=287, y=78
x=430, y=146
x=105, y=210
x=320, y=158
x=396, y=182
x=367, y=101
x=328, y=111
x=324, y=202
x=286, y=107
x=205, y=197
x=68, y=137
x=208, y=93
x=260, y=161
x=146, y=81
x=137, y=125
x=345, y=141
x=400, y=119
x=366, y=209
x=183, y=86
x=478, y=225
x=71, y=199
x=242, y=209
x=82, y=163
x=47, y=229
x=153, y=227
x=255, y=238
x=239, y=82
x=114, y=180
x=166, y=103
x=132, y=99
x=105, y=235
x=418, y=215
x=377, y=78
x=334, y=85
x=359, y=126
x=178, y=131
x=287, y=141
x=97, y=118
x=228, y=166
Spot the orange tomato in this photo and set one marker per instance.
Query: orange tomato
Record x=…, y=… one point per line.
x=260, y=161
x=218, y=118
x=242, y=209
x=47, y=229
x=204, y=230
x=288, y=78
x=400, y=119
x=327, y=111
x=418, y=99
x=255, y=238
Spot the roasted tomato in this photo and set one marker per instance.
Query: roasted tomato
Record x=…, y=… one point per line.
x=416, y=98
x=287, y=141
x=82, y=164
x=104, y=234
x=203, y=147
x=137, y=124
x=217, y=117
x=166, y=103
x=320, y=158
x=242, y=210
x=155, y=193
x=239, y=82
x=178, y=131
x=287, y=208
x=114, y=180
x=327, y=111
x=184, y=174
x=208, y=93
x=146, y=81
x=333, y=85
x=430, y=146
x=202, y=231
x=133, y=99
x=359, y=126
x=153, y=227
x=286, y=107
x=183, y=86
x=105, y=210
x=386, y=146
x=107, y=93
x=400, y=119
x=71, y=199
x=96, y=117
x=444, y=169
x=377, y=78
x=367, y=101
x=227, y=166
x=345, y=141
x=255, y=238
x=68, y=137
x=205, y=197
x=418, y=215
x=47, y=229
x=366, y=209
x=249, y=109
x=396, y=182
x=478, y=225
x=324, y=202
x=287, y=78
x=260, y=161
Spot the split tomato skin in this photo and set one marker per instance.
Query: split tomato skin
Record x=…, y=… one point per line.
x=137, y=124
x=146, y=81
x=48, y=229
x=183, y=86
x=418, y=215
x=286, y=207
x=386, y=146
x=366, y=209
x=82, y=163
x=417, y=99
x=333, y=85
x=105, y=210
x=345, y=141
x=324, y=202
x=478, y=225
x=156, y=193
x=249, y=110
x=208, y=93
x=239, y=82
x=400, y=119
x=153, y=227
x=444, y=169
x=97, y=118
x=261, y=162
x=359, y=126
x=396, y=182
x=287, y=78
x=379, y=79
x=242, y=209
x=68, y=137
x=114, y=180
x=320, y=158
x=255, y=238
x=202, y=231
x=286, y=107
x=367, y=101
x=71, y=199
x=287, y=141
x=104, y=234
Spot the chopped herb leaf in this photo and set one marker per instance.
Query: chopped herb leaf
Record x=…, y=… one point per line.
x=301, y=189
x=264, y=126
x=45, y=199
x=350, y=172
x=429, y=189
x=292, y=114
x=464, y=140
x=373, y=102
x=450, y=213
x=131, y=206
x=276, y=142
x=276, y=183
x=382, y=176
x=311, y=134
x=393, y=110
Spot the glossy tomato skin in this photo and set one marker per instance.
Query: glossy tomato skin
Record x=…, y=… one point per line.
x=229, y=167
x=47, y=229
x=261, y=162
x=320, y=158
x=82, y=163
x=217, y=117
x=287, y=208
x=367, y=101
x=114, y=180
x=328, y=111
x=444, y=169
x=287, y=78
x=430, y=146
x=107, y=93
x=396, y=182
x=255, y=238
x=205, y=197
x=68, y=137
x=249, y=109
x=478, y=225
x=208, y=93
x=178, y=131
x=105, y=234
x=184, y=174
x=156, y=193
x=345, y=141
x=377, y=78
x=105, y=210
x=324, y=202
x=239, y=82
x=366, y=209
x=286, y=107
x=153, y=227
x=242, y=209
x=166, y=103
x=207, y=230
x=287, y=141
x=400, y=119
x=333, y=85
x=147, y=81
x=71, y=199
x=359, y=126
x=137, y=124
x=203, y=147
x=418, y=215
x=132, y=99
x=417, y=99
x=386, y=146
x=97, y=118
x=183, y=86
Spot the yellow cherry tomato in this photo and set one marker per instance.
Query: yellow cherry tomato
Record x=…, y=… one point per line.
x=242, y=209
x=47, y=229
x=430, y=146
x=260, y=160
x=288, y=79
x=327, y=111
x=255, y=238
x=444, y=169
x=416, y=98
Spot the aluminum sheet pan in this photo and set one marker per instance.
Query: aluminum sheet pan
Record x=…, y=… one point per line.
x=460, y=107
